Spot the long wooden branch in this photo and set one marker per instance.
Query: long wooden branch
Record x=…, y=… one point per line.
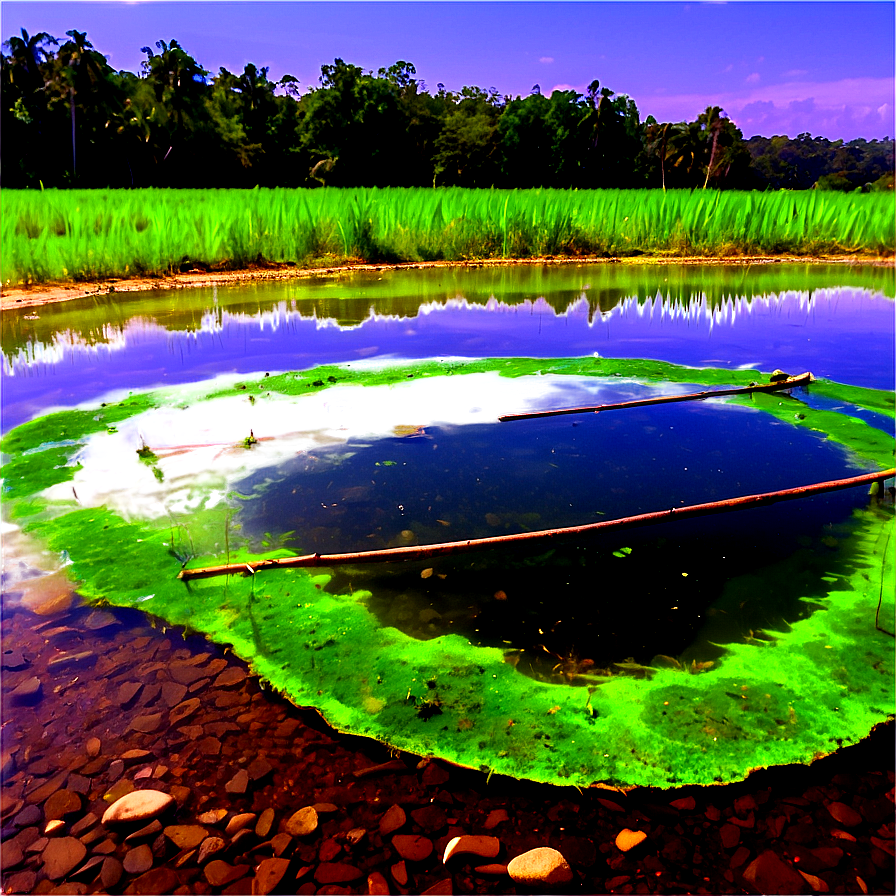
x=476, y=544
x=802, y=379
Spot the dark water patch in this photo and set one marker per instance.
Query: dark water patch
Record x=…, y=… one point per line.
x=605, y=598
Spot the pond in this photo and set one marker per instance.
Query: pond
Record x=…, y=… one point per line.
x=359, y=412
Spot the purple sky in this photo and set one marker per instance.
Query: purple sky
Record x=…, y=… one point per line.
x=776, y=68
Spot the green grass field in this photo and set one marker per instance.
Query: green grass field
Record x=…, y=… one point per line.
x=83, y=234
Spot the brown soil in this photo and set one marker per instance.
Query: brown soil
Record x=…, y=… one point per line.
x=45, y=293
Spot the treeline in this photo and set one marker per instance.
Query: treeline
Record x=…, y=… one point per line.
x=70, y=119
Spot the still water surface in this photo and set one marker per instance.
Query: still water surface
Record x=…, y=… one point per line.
x=482, y=480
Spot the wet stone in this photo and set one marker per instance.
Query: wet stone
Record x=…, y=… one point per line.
x=495, y=817
x=208, y=848
x=13, y=660
x=302, y=823
x=61, y=804
x=259, y=769
x=269, y=874
x=769, y=874
x=144, y=833
x=540, y=866
x=71, y=660
x=140, y=805
x=159, y=880
x=173, y=693
x=54, y=828
x=265, y=822
x=210, y=746
x=98, y=620
x=186, y=836
x=230, y=677
x=138, y=860
x=28, y=816
x=430, y=818
x=146, y=724
x=412, y=847
x=61, y=856
x=111, y=872
x=28, y=692
x=336, y=873
x=238, y=822
x=132, y=757
x=394, y=819
x=238, y=783
x=219, y=873
x=845, y=815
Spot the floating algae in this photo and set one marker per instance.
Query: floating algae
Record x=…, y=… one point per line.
x=772, y=697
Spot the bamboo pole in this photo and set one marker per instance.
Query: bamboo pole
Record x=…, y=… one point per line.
x=460, y=547
x=802, y=379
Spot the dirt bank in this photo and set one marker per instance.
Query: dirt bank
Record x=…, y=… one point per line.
x=45, y=293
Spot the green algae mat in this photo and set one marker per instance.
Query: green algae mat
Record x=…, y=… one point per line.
x=130, y=491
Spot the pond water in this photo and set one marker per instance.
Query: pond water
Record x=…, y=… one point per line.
x=421, y=474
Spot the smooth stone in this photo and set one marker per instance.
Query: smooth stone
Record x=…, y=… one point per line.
x=54, y=828
x=159, y=880
x=394, y=819
x=62, y=856
x=768, y=874
x=492, y=868
x=209, y=847
x=138, y=860
x=302, y=823
x=279, y=843
x=238, y=822
x=146, y=724
x=230, y=677
x=173, y=693
x=139, y=805
x=186, y=836
x=219, y=873
x=846, y=815
x=99, y=619
x=542, y=865
x=62, y=803
x=93, y=747
x=132, y=757
x=84, y=824
x=12, y=854
x=238, y=783
x=28, y=816
x=213, y=816
x=477, y=844
x=627, y=839
x=111, y=872
x=441, y=888
x=67, y=660
x=412, y=847
x=150, y=830
x=269, y=874
x=336, y=873
x=495, y=817
x=265, y=823
x=377, y=885
x=182, y=710
x=400, y=873
x=259, y=769
x=30, y=690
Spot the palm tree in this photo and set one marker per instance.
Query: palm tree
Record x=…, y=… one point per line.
x=26, y=52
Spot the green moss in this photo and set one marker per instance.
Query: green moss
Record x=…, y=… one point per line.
x=779, y=698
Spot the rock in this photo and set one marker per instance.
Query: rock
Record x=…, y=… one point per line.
x=269, y=874
x=492, y=868
x=377, y=885
x=238, y=783
x=150, y=830
x=28, y=692
x=355, y=835
x=61, y=856
x=93, y=747
x=218, y=873
x=846, y=815
x=816, y=883
x=400, y=873
x=434, y=775
x=12, y=854
x=183, y=710
x=138, y=860
x=147, y=724
x=542, y=865
x=336, y=873
x=159, y=880
x=28, y=816
x=209, y=847
x=495, y=817
x=69, y=660
x=302, y=823
x=210, y=746
x=685, y=804
x=329, y=849
x=186, y=836
x=280, y=842
x=412, y=847
x=173, y=693
x=54, y=828
x=230, y=677
x=213, y=816
x=13, y=660
x=98, y=620
x=431, y=818
x=477, y=845
x=111, y=872
x=61, y=804
x=394, y=819
x=265, y=823
x=259, y=769
x=139, y=805
x=730, y=835
x=626, y=839
x=442, y=888
x=132, y=757
x=768, y=874
x=128, y=692
x=238, y=822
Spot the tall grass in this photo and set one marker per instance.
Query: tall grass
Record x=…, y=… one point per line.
x=85, y=234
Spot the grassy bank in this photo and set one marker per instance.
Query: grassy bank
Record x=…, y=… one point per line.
x=79, y=234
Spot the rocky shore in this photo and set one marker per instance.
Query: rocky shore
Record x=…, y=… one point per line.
x=137, y=761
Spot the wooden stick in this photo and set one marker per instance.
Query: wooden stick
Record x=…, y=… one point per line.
x=459, y=547
x=802, y=379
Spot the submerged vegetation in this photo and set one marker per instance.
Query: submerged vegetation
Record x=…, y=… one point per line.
x=84, y=234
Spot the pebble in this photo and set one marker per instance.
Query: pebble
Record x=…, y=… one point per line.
x=213, y=816
x=138, y=860
x=67, y=660
x=111, y=872
x=768, y=874
x=394, y=819
x=542, y=865
x=139, y=805
x=150, y=830
x=147, y=724
x=846, y=815
x=492, y=868
x=259, y=769
x=265, y=823
x=54, y=828
x=29, y=691
x=475, y=844
x=336, y=873
x=128, y=692
x=183, y=710
x=132, y=757
x=61, y=856
x=209, y=847
x=495, y=817
x=93, y=747
x=238, y=783
x=219, y=873
x=377, y=885
x=627, y=839
x=159, y=880
x=412, y=847
x=302, y=823
x=400, y=873
x=186, y=836
x=62, y=803
x=269, y=874
x=238, y=822
x=13, y=660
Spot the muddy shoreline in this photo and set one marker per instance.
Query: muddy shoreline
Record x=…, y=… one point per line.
x=44, y=294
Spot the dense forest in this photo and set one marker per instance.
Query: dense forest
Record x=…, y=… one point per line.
x=70, y=119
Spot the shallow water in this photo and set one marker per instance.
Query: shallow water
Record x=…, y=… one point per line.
x=835, y=321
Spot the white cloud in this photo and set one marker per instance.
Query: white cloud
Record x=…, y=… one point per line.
x=753, y=78
x=547, y=60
